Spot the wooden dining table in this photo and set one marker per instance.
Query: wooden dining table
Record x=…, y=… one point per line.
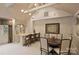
x=55, y=43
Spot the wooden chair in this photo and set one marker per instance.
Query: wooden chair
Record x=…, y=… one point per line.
x=37, y=36
x=32, y=36
x=27, y=40
x=44, y=46
x=65, y=45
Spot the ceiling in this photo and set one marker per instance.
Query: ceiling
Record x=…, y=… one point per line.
x=14, y=9
x=68, y=7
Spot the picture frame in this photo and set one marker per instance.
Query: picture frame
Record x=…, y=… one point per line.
x=52, y=28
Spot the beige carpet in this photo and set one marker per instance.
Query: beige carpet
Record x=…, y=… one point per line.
x=17, y=49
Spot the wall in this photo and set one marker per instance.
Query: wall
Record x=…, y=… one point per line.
x=65, y=25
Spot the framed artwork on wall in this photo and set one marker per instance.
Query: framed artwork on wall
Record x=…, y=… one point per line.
x=52, y=28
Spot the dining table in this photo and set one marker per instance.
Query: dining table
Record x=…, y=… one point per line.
x=54, y=43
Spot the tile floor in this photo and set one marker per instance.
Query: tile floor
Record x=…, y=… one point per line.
x=17, y=49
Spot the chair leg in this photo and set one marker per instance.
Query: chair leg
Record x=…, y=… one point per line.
x=28, y=42
x=41, y=52
x=59, y=53
x=48, y=53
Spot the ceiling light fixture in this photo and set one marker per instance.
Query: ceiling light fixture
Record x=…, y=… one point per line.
x=22, y=10
x=30, y=14
x=25, y=11
x=35, y=4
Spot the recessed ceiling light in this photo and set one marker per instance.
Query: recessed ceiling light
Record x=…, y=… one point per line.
x=35, y=4
x=22, y=10
x=30, y=14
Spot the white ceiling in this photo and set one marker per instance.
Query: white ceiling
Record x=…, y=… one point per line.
x=15, y=9
x=68, y=7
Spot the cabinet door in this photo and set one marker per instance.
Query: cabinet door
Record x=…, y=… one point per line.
x=3, y=34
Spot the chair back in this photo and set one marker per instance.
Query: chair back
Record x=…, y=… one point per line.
x=66, y=36
x=59, y=36
x=34, y=37
x=27, y=37
x=47, y=35
x=66, y=44
x=44, y=45
x=37, y=36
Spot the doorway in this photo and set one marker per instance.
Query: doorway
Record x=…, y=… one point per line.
x=10, y=36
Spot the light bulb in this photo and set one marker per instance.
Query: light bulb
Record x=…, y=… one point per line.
x=29, y=13
x=22, y=10
x=35, y=4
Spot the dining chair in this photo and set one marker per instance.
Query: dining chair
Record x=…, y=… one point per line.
x=32, y=36
x=27, y=40
x=65, y=46
x=44, y=46
x=37, y=36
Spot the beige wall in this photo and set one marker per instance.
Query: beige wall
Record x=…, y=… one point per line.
x=65, y=25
